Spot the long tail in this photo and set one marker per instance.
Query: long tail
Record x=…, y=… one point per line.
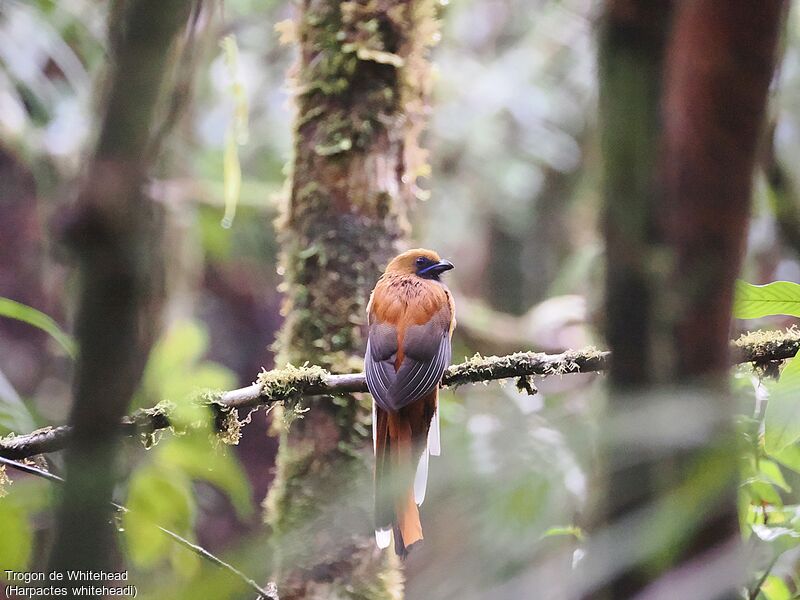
x=401, y=450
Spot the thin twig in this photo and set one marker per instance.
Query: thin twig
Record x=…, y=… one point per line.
x=31, y=470
x=753, y=594
x=270, y=591
x=759, y=348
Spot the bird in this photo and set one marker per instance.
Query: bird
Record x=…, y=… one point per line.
x=411, y=318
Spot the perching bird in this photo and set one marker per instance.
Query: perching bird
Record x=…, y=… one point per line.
x=411, y=320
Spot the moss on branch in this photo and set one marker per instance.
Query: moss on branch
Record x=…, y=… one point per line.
x=290, y=384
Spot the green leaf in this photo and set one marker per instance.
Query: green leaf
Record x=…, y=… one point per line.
x=789, y=457
x=208, y=375
x=198, y=459
x=775, y=588
x=185, y=562
x=756, y=301
x=572, y=530
x=22, y=312
x=16, y=541
x=761, y=491
x=746, y=513
x=178, y=349
x=782, y=417
x=773, y=474
x=14, y=415
x=35, y=495
x=173, y=372
x=184, y=391
x=156, y=497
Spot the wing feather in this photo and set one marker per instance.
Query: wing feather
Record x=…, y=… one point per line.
x=380, y=376
x=417, y=378
x=426, y=352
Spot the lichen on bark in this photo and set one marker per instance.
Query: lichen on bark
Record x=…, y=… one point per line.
x=360, y=89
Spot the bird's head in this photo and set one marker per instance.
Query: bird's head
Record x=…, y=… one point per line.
x=421, y=262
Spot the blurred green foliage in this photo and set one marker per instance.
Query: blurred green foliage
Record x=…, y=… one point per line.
x=15, y=416
x=769, y=508
x=22, y=312
x=162, y=489
x=176, y=369
x=16, y=517
x=163, y=496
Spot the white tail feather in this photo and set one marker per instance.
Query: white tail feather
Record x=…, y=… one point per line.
x=434, y=441
x=374, y=429
x=421, y=478
x=383, y=537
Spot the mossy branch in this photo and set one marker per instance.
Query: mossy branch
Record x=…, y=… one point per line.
x=293, y=383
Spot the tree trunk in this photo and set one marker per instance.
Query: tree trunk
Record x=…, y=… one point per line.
x=112, y=230
x=361, y=85
x=683, y=94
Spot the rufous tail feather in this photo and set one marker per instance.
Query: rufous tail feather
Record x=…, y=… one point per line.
x=401, y=449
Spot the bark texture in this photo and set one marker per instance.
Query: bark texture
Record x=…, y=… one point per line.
x=360, y=86
x=683, y=94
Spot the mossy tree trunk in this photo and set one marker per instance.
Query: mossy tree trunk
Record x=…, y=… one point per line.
x=360, y=90
x=682, y=105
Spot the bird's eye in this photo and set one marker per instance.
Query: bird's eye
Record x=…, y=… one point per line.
x=421, y=260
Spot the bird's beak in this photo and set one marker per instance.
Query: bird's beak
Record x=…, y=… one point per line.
x=439, y=267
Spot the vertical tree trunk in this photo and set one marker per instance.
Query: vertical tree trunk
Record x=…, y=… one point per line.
x=683, y=94
x=361, y=85
x=632, y=48
x=112, y=231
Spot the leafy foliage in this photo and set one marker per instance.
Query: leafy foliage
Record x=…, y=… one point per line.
x=782, y=419
x=27, y=314
x=25, y=500
x=157, y=496
x=15, y=551
x=768, y=508
x=175, y=373
x=14, y=414
x=163, y=489
x=776, y=298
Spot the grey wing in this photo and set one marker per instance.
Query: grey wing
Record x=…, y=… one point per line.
x=379, y=362
x=426, y=355
x=420, y=373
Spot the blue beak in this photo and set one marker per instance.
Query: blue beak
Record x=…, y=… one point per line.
x=437, y=268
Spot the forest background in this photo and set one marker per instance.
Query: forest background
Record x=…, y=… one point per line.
x=191, y=192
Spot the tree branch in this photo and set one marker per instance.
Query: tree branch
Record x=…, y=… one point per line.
x=293, y=383
x=271, y=591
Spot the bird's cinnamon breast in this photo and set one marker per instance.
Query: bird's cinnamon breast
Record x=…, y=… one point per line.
x=409, y=299
x=405, y=301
